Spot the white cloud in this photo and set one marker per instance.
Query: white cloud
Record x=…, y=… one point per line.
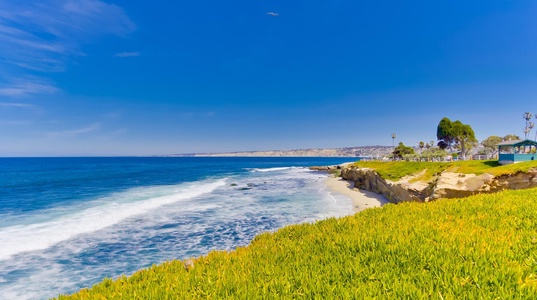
x=117, y=132
x=15, y=122
x=44, y=35
x=208, y=114
x=12, y=104
x=75, y=132
x=114, y=134
x=127, y=54
x=20, y=87
x=98, y=17
x=113, y=115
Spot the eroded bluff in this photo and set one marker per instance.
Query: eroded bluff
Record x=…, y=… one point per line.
x=443, y=185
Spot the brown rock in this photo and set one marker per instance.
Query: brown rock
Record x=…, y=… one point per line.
x=445, y=185
x=188, y=264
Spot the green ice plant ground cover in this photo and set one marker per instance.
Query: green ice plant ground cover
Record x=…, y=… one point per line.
x=426, y=170
x=481, y=247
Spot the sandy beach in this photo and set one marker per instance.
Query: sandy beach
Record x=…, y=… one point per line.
x=360, y=199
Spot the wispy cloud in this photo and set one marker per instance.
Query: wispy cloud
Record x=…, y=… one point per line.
x=21, y=87
x=112, y=115
x=12, y=104
x=43, y=35
x=75, y=132
x=15, y=122
x=114, y=134
x=208, y=114
x=117, y=132
x=127, y=54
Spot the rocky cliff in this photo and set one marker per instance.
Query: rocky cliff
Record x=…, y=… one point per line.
x=443, y=185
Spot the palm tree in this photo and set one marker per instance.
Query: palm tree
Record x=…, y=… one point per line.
x=421, y=144
x=528, y=128
x=529, y=125
x=535, y=130
x=526, y=132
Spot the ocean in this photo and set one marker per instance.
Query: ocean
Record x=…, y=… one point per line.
x=67, y=223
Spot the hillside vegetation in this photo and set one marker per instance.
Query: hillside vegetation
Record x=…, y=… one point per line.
x=481, y=247
x=398, y=169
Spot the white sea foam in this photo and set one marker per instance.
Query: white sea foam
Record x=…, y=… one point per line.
x=223, y=216
x=274, y=169
x=107, y=212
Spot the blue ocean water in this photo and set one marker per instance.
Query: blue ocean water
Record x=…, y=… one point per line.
x=67, y=223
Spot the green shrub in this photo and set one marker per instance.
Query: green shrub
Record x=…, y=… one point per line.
x=335, y=172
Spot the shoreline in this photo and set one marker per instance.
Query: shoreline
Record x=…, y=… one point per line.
x=360, y=199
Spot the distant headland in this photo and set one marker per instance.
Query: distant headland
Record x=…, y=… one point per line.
x=362, y=151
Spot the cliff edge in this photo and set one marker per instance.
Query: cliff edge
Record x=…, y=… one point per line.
x=443, y=185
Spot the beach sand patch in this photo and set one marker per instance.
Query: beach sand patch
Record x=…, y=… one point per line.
x=360, y=199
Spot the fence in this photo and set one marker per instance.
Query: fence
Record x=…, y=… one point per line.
x=433, y=159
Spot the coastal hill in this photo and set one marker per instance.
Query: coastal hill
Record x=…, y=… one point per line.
x=363, y=151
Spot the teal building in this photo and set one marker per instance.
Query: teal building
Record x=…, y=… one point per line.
x=511, y=152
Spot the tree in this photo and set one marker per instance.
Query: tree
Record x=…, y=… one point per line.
x=402, y=150
x=455, y=134
x=421, y=145
x=442, y=145
x=490, y=143
x=444, y=133
x=529, y=125
x=470, y=145
x=527, y=129
x=434, y=153
x=511, y=137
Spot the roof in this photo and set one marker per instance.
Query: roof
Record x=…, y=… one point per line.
x=516, y=143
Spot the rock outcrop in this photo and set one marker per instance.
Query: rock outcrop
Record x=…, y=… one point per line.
x=443, y=185
x=326, y=168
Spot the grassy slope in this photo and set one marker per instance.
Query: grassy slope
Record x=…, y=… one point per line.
x=399, y=169
x=483, y=247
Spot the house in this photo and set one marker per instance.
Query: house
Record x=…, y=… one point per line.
x=511, y=152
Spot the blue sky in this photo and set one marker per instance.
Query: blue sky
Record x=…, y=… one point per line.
x=92, y=77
